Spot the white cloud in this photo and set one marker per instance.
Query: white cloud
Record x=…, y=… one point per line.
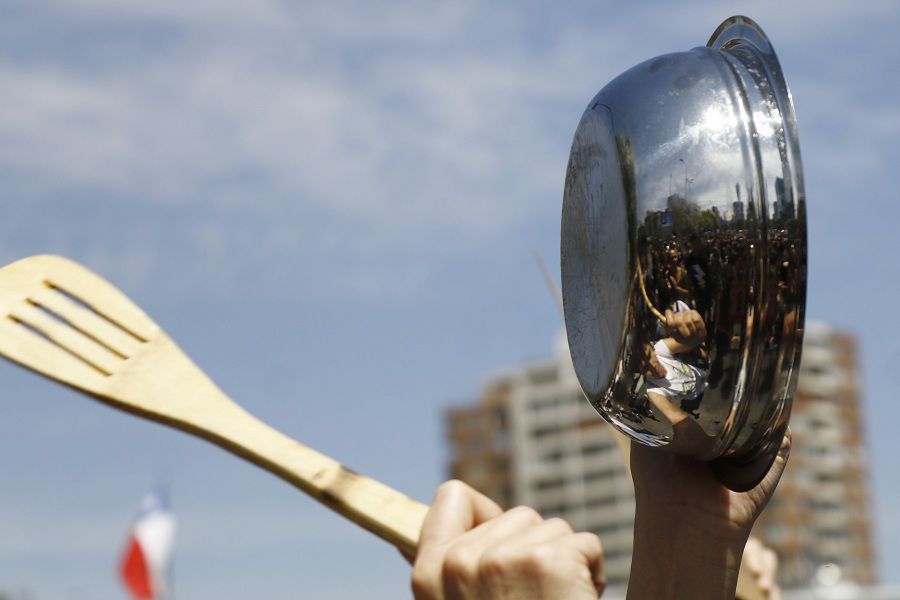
x=357, y=132
x=407, y=145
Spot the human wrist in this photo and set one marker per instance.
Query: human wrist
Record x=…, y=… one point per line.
x=680, y=522
x=676, y=556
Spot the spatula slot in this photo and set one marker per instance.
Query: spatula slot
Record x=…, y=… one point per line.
x=83, y=304
x=44, y=335
x=47, y=309
x=30, y=328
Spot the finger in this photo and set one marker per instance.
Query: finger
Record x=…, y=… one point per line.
x=768, y=568
x=538, y=532
x=691, y=327
x=456, y=509
x=591, y=550
x=784, y=451
x=696, y=321
x=463, y=556
x=770, y=481
x=569, y=558
x=670, y=318
x=752, y=550
x=676, y=322
x=690, y=323
x=510, y=525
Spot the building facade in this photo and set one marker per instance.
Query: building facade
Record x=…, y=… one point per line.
x=820, y=514
x=533, y=439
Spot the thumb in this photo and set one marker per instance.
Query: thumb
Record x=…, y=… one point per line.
x=456, y=509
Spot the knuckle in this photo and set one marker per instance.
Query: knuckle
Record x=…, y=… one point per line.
x=422, y=589
x=594, y=540
x=496, y=561
x=526, y=513
x=425, y=583
x=460, y=563
x=538, y=559
x=557, y=523
x=533, y=561
x=451, y=487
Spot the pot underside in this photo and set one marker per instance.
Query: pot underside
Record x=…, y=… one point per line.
x=684, y=253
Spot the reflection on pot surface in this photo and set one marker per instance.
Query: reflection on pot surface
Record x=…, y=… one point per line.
x=684, y=249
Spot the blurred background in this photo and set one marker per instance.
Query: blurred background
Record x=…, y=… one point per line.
x=333, y=207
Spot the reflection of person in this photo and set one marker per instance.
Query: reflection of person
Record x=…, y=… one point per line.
x=667, y=376
x=689, y=537
x=678, y=276
x=697, y=265
x=675, y=387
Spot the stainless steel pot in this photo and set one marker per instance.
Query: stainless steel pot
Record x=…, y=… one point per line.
x=684, y=252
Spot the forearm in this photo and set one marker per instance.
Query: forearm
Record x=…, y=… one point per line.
x=678, y=557
x=682, y=344
x=690, y=531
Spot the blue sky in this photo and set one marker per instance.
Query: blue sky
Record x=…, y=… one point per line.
x=332, y=207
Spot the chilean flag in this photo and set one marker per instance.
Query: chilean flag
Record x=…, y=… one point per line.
x=148, y=552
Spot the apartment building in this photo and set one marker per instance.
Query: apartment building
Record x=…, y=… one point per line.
x=533, y=439
x=820, y=514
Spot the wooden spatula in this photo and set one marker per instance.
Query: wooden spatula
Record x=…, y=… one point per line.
x=64, y=322
x=61, y=320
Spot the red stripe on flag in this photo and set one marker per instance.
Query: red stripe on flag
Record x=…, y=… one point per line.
x=135, y=573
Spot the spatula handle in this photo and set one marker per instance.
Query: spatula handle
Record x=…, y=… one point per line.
x=387, y=513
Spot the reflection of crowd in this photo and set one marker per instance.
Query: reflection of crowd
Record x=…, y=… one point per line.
x=780, y=312
x=696, y=268
x=716, y=273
